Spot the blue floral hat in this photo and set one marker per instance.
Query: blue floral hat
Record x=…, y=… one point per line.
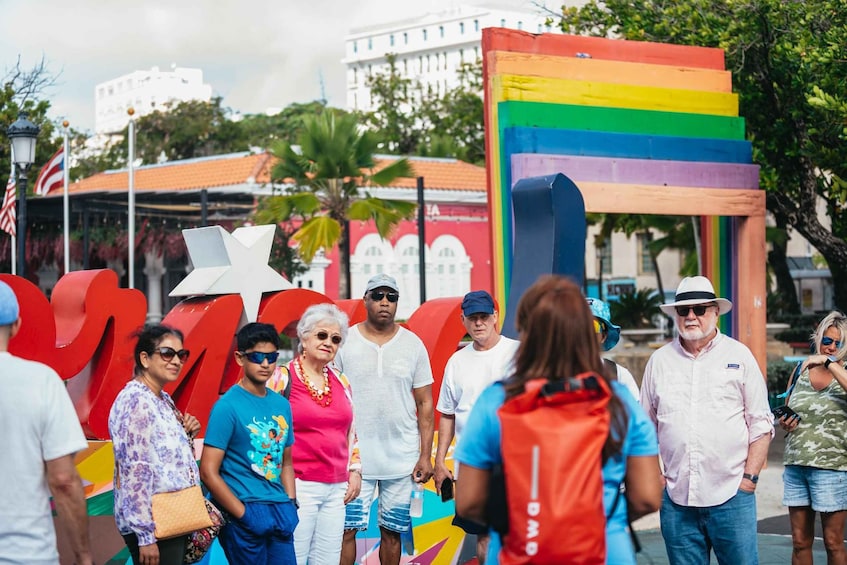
x=601, y=311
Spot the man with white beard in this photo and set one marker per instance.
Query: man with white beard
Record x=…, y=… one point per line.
x=707, y=397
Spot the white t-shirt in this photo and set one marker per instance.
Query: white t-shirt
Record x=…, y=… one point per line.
x=626, y=379
x=468, y=373
x=37, y=423
x=384, y=410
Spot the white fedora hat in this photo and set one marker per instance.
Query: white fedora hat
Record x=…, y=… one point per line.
x=696, y=290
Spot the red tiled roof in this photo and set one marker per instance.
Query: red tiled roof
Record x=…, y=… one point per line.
x=441, y=174
x=240, y=168
x=193, y=174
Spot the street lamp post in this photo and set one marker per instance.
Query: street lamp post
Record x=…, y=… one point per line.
x=22, y=134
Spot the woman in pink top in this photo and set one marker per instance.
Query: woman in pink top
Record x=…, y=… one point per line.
x=327, y=468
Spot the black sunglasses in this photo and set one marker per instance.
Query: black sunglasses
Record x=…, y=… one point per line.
x=698, y=310
x=322, y=335
x=378, y=295
x=168, y=354
x=259, y=357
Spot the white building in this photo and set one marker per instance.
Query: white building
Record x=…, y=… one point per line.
x=145, y=91
x=430, y=48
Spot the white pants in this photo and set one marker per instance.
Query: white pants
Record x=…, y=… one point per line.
x=317, y=539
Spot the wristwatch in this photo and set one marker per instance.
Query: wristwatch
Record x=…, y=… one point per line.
x=828, y=361
x=752, y=478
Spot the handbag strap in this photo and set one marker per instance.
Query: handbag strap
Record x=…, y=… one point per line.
x=181, y=419
x=793, y=382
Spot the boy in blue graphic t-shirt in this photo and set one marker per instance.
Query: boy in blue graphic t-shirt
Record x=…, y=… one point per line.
x=246, y=462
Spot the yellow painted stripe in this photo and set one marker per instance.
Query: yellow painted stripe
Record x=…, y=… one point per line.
x=562, y=91
x=604, y=70
x=98, y=465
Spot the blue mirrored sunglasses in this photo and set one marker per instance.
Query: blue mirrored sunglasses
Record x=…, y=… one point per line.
x=258, y=357
x=830, y=341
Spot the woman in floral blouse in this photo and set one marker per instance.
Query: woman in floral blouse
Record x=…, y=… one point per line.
x=153, y=445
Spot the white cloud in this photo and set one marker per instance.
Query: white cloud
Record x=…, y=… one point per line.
x=255, y=53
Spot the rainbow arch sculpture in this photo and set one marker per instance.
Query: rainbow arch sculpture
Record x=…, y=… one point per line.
x=639, y=127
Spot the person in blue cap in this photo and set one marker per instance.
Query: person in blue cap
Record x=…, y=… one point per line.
x=608, y=335
x=39, y=435
x=468, y=372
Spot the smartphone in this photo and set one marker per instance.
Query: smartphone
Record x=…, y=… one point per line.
x=781, y=411
x=447, y=490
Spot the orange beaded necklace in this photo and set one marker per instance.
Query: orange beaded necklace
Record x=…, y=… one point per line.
x=322, y=397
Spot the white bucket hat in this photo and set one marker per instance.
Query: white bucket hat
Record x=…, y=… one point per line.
x=696, y=290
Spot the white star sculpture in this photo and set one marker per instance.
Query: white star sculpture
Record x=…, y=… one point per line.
x=234, y=263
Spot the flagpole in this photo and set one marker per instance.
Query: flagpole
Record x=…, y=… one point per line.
x=131, y=197
x=66, y=200
x=14, y=238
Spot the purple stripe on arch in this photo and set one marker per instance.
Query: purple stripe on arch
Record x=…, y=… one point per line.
x=636, y=171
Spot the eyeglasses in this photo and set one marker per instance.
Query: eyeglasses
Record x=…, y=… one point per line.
x=259, y=357
x=378, y=295
x=168, y=354
x=698, y=310
x=829, y=341
x=599, y=328
x=322, y=335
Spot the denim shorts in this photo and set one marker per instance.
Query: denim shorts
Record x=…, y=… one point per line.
x=394, y=497
x=824, y=490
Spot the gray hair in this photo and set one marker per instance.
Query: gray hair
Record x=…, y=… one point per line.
x=317, y=313
x=837, y=320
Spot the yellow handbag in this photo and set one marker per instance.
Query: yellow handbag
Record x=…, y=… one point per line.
x=179, y=513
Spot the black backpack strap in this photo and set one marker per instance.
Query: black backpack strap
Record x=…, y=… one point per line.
x=611, y=369
x=621, y=493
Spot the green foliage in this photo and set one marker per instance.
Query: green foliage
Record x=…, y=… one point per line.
x=636, y=309
x=787, y=60
x=328, y=173
x=411, y=120
x=21, y=90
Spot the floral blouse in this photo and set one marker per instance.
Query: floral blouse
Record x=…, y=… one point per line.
x=153, y=454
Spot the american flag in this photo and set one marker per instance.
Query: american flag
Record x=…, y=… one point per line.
x=52, y=175
x=7, y=211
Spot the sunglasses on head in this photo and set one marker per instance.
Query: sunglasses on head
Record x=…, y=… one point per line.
x=168, y=354
x=259, y=357
x=378, y=295
x=699, y=310
x=830, y=341
x=322, y=336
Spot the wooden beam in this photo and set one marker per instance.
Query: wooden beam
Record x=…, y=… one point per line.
x=619, y=120
x=751, y=301
x=501, y=39
x=672, y=200
x=636, y=171
x=600, y=70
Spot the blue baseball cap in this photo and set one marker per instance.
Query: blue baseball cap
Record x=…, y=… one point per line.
x=477, y=302
x=601, y=311
x=9, y=310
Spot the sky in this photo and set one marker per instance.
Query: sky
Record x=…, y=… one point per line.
x=256, y=54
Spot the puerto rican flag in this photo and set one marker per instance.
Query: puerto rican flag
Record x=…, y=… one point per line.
x=52, y=175
x=8, y=213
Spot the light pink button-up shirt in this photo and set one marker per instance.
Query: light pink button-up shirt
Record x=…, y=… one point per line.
x=707, y=410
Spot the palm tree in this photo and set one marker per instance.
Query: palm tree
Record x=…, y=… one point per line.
x=330, y=170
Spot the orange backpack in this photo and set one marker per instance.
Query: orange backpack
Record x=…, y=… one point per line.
x=552, y=440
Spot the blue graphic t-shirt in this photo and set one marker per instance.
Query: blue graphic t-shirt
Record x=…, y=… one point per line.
x=253, y=431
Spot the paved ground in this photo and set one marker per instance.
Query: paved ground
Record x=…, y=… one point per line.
x=773, y=530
